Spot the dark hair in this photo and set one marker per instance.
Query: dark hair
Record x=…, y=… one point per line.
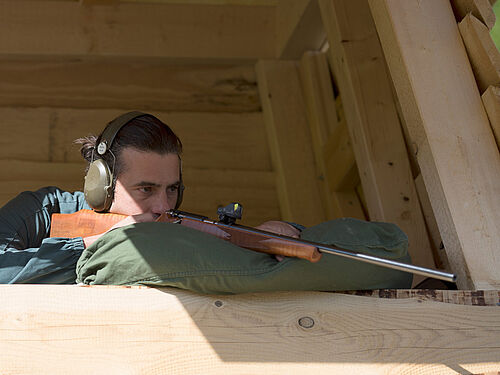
x=144, y=133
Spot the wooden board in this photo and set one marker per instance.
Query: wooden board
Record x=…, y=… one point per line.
x=143, y=331
x=491, y=101
x=65, y=28
x=457, y=154
x=480, y=9
x=297, y=28
x=290, y=142
x=128, y=83
x=483, y=54
x=440, y=257
x=372, y=120
x=210, y=140
x=206, y=189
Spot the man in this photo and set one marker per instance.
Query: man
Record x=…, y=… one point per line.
x=134, y=170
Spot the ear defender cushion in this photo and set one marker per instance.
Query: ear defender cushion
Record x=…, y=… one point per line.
x=98, y=186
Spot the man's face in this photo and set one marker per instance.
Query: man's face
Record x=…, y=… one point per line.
x=148, y=183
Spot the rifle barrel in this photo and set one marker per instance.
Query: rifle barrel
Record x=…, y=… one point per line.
x=428, y=272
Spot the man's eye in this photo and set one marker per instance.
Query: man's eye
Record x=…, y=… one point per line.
x=145, y=189
x=173, y=188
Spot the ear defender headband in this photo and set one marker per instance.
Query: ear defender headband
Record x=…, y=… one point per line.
x=98, y=186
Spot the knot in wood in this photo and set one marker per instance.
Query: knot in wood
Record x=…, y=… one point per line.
x=218, y=303
x=306, y=322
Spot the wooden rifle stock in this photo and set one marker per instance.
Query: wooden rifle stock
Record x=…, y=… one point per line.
x=85, y=223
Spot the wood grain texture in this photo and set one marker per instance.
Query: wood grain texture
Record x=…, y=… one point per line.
x=142, y=331
x=491, y=101
x=372, y=120
x=321, y=113
x=457, y=154
x=440, y=257
x=128, y=83
x=206, y=189
x=210, y=140
x=483, y=54
x=297, y=28
x=64, y=28
x=290, y=142
x=481, y=9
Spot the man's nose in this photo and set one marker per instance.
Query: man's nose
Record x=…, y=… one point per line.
x=160, y=205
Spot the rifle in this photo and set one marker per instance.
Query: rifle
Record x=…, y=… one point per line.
x=87, y=223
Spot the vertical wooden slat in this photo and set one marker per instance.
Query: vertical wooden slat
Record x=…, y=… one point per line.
x=491, y=101
x=373, y=122
x=457, y=154
x=325, y=130
x=290, y=141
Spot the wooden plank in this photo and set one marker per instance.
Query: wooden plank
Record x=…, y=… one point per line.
x=457, y=154
x=65, y=28
x=290, y=141
x=480, y=9
x=211, y=140
x=373, y=123
x=458, y=297
x=491, y=101
x=321, y=117
x=297, y=28
x=483, y=54
x=112, y=83
x=440, y=257
x=206, y=189
x=340, y=161
x=166, y=330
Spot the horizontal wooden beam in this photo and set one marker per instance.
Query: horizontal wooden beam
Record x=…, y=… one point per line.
x=66, y=28
x=128, y=83
x=166, y=330
x=210, y=140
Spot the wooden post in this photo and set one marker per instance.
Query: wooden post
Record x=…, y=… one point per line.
x=457, y=153
x=290, y=142
x=331, y=144
x=373, y=122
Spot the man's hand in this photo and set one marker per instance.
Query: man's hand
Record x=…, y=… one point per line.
x=141, y=218
x=279, y=227
x=282, y=228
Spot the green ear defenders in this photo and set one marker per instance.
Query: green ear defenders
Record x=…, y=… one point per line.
x=98, y=186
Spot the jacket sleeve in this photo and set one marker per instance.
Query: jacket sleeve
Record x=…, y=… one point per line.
x=26, y=254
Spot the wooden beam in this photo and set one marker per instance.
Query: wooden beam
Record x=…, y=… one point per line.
x=166, y=330
x=373, y=123
x=481, y=9
x=210, y=140
x=457, y=154
x=206, y=189
x=483, y=54
x=491, y=101
x=65, y=28
x=440, y=257
x=290, y=141
x=322, y=118
x=128, y=83
x=298, y=28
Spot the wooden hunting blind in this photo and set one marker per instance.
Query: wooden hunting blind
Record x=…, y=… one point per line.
x=301, y=110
